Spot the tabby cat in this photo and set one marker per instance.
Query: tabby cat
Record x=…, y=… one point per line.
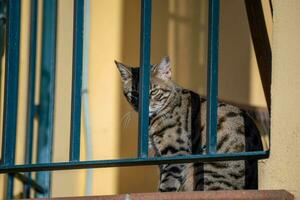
x=178, y=125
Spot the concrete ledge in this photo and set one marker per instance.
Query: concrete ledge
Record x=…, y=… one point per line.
x=210, y=195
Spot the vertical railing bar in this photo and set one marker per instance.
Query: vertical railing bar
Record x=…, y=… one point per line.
x=76, y=80
x=212, y=76
x=85, y=95
x=31, y=111
x=10, y=186
x=47, y=93
x=144, y=74
x=2, y=34
x=10, y=112
x=11, y=83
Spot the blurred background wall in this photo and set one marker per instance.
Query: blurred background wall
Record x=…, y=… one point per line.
x=283, y=168
x=179, y=29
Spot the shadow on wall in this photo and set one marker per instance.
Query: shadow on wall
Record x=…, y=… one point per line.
x=179, y=29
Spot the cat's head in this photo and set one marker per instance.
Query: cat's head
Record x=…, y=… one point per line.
x=161, y=86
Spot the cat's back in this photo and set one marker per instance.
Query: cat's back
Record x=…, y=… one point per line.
x=236, y=132
x=230, y=127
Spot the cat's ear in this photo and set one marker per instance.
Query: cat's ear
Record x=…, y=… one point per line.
x=124, y=71
x=163, y=69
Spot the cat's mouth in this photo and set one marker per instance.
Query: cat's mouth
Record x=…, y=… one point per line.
x=136, y=108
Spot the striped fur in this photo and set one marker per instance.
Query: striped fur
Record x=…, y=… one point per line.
x=178, y=126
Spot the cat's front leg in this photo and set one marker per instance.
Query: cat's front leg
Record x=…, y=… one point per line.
x=171, y=177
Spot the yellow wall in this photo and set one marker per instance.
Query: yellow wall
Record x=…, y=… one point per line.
x=180, y=31
x=283, y=168
x=103, y=91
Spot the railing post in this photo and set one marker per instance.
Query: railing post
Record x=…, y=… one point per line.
x=31, y=111
x=11, y=90
x=145, y=41
x=47, y=91
x=212, y=76
x=2, y=30
x=77, y=80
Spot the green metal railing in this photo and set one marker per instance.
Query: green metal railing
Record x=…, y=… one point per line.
x=45, y=110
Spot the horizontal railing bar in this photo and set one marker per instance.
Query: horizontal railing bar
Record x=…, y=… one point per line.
x=29, y=181
x=134, y=162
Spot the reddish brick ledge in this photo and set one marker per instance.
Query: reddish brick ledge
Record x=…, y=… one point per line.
x=210, y=195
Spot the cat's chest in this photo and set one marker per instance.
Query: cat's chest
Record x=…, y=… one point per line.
x=170, y=134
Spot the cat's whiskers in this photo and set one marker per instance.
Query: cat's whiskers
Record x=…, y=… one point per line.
x=178, y=126
x=126, y=119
